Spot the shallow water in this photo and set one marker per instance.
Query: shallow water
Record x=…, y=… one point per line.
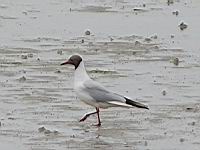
x=130, y=50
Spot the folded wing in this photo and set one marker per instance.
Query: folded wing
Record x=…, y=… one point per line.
x=101, y=95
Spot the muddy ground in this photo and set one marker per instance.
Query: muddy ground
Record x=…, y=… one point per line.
x=134, y=48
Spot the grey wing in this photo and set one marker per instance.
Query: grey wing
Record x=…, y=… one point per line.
x=100, y=94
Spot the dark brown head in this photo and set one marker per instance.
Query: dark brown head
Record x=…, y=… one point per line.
x=73, y=60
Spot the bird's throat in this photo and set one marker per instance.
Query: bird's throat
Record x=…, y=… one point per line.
x=80, y=74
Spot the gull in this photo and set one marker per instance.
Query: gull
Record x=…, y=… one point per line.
x=93, y=93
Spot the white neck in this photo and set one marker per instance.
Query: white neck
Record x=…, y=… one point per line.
x=80, y=74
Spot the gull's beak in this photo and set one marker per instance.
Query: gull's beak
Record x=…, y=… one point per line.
x=67, y=62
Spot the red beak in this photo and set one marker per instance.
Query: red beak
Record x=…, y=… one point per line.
x=67, y=62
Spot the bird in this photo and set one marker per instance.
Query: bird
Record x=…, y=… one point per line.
x=93, y=93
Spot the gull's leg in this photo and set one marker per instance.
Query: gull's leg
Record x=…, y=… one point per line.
x=87, y=115
x=99, y=122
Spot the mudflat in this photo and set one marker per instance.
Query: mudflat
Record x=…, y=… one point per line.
x=146, y=50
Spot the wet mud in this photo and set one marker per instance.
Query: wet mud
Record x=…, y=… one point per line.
x=134, y=48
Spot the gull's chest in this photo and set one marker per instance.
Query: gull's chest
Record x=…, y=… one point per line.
x=84, y=96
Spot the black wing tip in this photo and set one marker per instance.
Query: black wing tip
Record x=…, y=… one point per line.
x=136, y=104
x=145, y=107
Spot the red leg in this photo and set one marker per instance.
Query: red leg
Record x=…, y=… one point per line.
x=86, y=116
x=99, y=122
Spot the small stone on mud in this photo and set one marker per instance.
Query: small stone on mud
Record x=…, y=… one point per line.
x=189, y=108
x=133, y=53
x=25, y=13
x=55, y=132
x=164, y=92
x=22, y=79
x=154, y=36
x=193, y=123
x=137, y=43
x=59, y=52
x=175, y=61
x=30, y=55
x=24, y=57
x=170, y=2
x=172, y=36
x=41, y=129
x=87, y=32
x=47, y=131
x=57, y=71
x=175, y=12
x=156, y=47
x=147, y=39
x=72, y=136
x=183, y=26
x=182, y=139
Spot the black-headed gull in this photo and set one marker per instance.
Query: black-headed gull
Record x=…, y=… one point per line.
x=93, y=93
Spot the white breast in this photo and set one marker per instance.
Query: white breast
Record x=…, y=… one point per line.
x=80, y=77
